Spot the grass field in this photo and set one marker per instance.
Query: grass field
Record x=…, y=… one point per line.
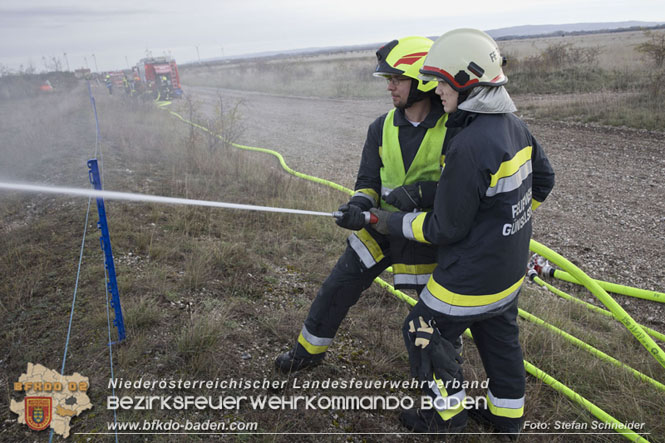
x=216, y=294
x=606, y=79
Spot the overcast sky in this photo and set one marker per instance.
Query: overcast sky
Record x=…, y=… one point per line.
x=120, y=32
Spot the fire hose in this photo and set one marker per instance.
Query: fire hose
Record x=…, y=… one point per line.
x=613, y=287
x=533, y=370
x=128, y=196
x=578, y=274
x=615, y=308
x=533, y=275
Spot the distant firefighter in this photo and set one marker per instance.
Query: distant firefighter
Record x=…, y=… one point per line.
x=109, y=83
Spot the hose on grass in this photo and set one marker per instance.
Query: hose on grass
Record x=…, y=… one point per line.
x=533, y=370
x=619, y=313
x=614, y=287
x=652, y=332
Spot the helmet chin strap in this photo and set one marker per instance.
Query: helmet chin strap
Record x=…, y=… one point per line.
x=415, y=95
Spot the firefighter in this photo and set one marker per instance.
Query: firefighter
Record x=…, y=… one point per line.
x=401, y=163
x=165, y=87
x=125, y=83
x=109, y=83
x=496, y=173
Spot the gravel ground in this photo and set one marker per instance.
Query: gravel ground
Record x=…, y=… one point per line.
x=605, y=213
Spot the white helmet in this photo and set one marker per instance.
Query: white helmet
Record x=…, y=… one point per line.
x=465, y=58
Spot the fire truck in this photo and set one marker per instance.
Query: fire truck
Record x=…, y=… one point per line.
x=159, y=77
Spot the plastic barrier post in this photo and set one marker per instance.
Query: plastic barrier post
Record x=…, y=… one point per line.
x=105, y=241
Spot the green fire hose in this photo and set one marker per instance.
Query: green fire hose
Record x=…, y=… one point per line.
x=533, y=370
x=587, y=347
x=616, y=309
x=613, y=287
x=652, y=332
x=551, y=381
x=617, y=426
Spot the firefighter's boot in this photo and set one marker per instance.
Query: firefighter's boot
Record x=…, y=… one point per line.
x=510, y=427
x=288, y=362
x=429, y=421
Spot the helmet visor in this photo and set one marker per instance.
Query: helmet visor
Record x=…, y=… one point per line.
x=429, y=77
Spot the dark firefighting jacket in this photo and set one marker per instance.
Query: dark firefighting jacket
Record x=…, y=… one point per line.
x=481, y=220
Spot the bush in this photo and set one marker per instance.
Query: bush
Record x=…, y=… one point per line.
x=654, y=50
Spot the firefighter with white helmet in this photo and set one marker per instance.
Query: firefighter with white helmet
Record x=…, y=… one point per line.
x=496, y=173
x=400, y=166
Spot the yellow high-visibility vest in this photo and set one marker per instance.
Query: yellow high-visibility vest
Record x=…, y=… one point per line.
x=426, y=165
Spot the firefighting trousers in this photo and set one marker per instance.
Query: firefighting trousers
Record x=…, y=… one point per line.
x=341, y=290
x=497, y=338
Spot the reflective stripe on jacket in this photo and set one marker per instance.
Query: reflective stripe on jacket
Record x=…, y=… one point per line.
x=481, y=219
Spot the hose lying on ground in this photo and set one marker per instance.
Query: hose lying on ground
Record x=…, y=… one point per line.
x=545, y=252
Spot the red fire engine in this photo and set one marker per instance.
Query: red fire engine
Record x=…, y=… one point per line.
x=160, y=76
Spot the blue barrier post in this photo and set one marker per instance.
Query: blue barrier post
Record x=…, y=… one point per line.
x=105, y=241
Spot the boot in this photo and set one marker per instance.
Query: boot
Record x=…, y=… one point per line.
x=429, y=421
x=501, y=425
x=288, y=362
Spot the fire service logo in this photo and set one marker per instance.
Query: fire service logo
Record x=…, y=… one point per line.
x=38, y=412
x=51, y=399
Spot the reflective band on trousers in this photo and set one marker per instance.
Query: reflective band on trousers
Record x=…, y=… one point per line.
x=410, y=279
x=440, y=299
x=446, y=405
x=416, y=274
x=505, y=407
x=312, y=343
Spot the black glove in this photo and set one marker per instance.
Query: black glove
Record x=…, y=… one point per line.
x=437, y=354
x=352, y=217
x=381, y=226
x=414, y=196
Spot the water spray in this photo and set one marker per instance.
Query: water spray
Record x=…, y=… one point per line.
x=128, y=196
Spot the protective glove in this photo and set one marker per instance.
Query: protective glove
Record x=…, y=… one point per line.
x=352, y=217
x=418, y=195
x=437, y=355
x=381, y=225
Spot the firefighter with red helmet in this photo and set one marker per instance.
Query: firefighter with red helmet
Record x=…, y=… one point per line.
x=400, y=166
x=496, y=173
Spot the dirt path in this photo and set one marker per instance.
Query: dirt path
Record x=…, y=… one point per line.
x=606, y=213
x=316, y=136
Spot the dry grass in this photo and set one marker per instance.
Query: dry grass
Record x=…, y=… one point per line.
x=599, y=69
x=616, y=51
x=218, y=294
x=348, y=76
x=632, y=109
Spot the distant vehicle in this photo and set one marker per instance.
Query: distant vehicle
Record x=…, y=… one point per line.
x=159, y=75
x=46, y=86
x=116, y=78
